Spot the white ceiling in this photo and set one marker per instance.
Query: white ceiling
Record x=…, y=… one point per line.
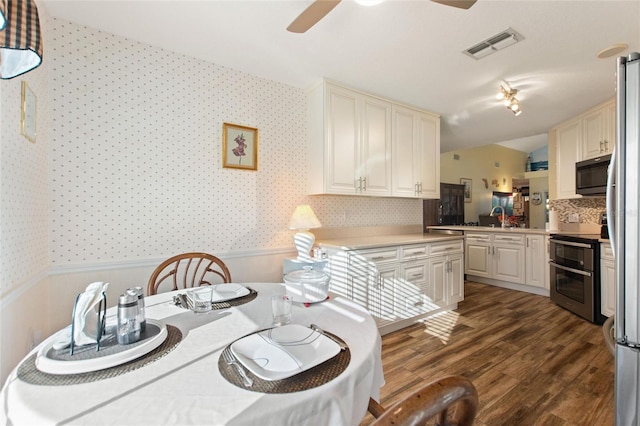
x=409, y=51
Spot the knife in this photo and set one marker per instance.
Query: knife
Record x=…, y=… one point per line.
x=343, y=346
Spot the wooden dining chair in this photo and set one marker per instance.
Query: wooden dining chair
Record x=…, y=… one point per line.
x=188, y=270
x=451, y=401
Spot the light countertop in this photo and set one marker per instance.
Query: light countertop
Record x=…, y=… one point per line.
x=513, y=230
x=366, y=242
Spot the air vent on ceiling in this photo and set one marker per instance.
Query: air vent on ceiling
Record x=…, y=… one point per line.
x=494, y=43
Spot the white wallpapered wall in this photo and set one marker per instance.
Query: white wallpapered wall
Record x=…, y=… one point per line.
x=136, y=155
x=24, y=211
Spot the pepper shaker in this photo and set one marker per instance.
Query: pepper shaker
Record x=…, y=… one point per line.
x=142, y=319
x=128, y=326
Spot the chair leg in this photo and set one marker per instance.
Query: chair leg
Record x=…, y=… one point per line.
x=441, y=419
x=375, y=408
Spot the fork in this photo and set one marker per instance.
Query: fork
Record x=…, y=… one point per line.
x=231, y=360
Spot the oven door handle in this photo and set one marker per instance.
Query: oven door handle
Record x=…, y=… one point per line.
x=571, y=243
x=576, y=271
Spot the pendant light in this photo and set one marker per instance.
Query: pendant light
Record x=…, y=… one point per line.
x=20, y=41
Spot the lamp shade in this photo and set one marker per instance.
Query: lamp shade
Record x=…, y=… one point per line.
x=303, y=217
x=20, y=41
x=3, y=20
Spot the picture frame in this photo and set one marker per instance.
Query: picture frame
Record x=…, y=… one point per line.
x=28, y=113
x=239, y=147
x=467, y=188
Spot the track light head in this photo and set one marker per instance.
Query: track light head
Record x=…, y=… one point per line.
x=507, y=96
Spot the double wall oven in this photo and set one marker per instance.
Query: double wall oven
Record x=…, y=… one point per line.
x=575, y=274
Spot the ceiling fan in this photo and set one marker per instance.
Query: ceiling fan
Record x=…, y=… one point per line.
x=319, y=8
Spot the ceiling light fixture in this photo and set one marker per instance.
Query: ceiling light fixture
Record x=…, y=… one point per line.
x=508, y=97
x=612, y=50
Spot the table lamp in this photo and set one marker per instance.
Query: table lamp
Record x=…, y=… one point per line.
x=303, y=219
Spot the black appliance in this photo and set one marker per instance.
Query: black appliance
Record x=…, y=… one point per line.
x=448, y=210
x=591, y=176
x=575, y=274
x=604, y=229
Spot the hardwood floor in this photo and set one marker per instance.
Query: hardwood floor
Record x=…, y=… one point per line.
x=532, y=362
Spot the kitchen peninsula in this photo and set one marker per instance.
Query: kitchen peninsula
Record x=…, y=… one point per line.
x=514, y=258
x=399, y=275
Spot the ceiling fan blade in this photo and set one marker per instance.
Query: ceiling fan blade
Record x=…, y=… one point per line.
x=311, y=15
x=460, y=4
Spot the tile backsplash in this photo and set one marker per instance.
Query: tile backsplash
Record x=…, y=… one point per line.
x=589, y=209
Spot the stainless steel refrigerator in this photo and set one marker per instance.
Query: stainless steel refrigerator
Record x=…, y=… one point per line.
x=623, y=218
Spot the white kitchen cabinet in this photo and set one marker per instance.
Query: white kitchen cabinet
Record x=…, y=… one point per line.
x=508, y=252
x=598, y=131
x=446, y=279
x=399, y=283
x=607, y=280
x=415, y=153
x=478, y=258
x=357, y=155
x=568, y=139
x=586, y=136
x=382, y=293
x=351, y=137
x=412, y=297
x=496, y=256
x=547, y=257
x=536, y=265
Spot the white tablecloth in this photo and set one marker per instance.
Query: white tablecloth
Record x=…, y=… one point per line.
x=186, y=387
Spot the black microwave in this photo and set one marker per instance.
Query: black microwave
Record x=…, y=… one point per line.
x=591, y=176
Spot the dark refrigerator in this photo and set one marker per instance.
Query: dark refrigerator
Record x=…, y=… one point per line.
x=448, y=210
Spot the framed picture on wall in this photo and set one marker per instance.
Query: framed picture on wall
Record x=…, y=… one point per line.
x=28, y=113
x=467, y=189
x=239, y=147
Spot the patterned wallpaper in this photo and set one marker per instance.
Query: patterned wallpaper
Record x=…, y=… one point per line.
x=135, y=158
x=24, y=180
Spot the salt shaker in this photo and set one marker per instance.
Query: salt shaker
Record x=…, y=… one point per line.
x=128, y=325
x=141, y=315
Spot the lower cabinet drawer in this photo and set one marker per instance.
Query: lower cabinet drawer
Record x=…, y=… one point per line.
x=438, y=249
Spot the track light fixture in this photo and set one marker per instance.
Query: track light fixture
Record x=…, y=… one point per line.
x=508, y=97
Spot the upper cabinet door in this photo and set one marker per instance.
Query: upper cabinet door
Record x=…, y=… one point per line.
x=343, y=141
x=598, y=131
x=429, y=160
x=376, y=146
x=610, y=129
x=568, y=137
x=405, y=145
x=416, y=153
x=593, y=134
x=361, y=144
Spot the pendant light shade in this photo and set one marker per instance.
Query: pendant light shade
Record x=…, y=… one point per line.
x=20, y=41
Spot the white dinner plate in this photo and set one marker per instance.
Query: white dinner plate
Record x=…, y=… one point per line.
x=230, y=291
x=281, y=352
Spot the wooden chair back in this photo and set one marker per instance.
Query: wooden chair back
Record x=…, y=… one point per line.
x=188, y=270
x=450, y=401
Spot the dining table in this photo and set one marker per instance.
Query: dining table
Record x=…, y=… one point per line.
x=188, y=382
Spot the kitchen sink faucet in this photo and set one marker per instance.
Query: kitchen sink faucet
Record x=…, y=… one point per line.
x=504, y=215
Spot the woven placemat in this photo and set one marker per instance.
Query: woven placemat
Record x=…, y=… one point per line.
x=229, y=303
x=311, y=378
x=29, y=373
